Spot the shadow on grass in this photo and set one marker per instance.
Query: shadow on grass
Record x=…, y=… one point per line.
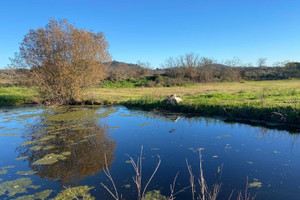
x=9, y=100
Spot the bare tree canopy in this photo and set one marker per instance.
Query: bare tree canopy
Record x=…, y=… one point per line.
x=63, y=60
x=261, y=62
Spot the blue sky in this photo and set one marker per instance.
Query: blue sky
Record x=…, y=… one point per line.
x=153, y=30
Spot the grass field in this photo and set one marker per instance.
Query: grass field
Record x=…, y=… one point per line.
x=272, y=101
x=16, y=95
x=276, y=101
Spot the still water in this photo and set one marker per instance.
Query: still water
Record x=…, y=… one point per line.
x=46, y=150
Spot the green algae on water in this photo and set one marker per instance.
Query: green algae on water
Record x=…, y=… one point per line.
x=114, y=127
x=226, y=135
x=49, y=137
x=154, y=195
x=66, y=153
x=27, y=143
x=75, y=193
x=22, y=158
x=8, y=134
x=46, y=148
x=255, y=184
x=127, y=186
x=144, y=124
x=17, y=186
x=4, y=169
x=39, y=195
x=52, y=158
x=26, y=173
x=36, y=148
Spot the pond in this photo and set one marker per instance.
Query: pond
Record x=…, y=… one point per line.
x=47, y=150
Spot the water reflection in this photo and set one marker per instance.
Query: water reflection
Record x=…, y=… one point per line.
x=67, y=144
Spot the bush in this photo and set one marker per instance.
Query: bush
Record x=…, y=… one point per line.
x=63, y=60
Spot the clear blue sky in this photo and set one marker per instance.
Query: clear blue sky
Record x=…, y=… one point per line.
x=153, y=30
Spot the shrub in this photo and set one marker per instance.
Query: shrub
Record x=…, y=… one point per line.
x=63, y=60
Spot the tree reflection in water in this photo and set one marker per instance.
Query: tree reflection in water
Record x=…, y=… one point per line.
x=71, y=131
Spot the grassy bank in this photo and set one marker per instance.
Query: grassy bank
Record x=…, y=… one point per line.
x=16, y=95
x=272, y=101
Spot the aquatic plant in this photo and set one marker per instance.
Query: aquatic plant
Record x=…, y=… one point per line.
x=246, y=195
x=65, y=144
x=204, y=193
x=8, y=134
x=154, y=195
x=39, y=195
x=52, y=158
x=26, y=173
x=17, y=186
x=4, y=169
x=137, y=166
x=80, y=192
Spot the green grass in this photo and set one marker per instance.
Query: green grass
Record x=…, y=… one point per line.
x=16, y=95
x=131, y=83
x=271, y=101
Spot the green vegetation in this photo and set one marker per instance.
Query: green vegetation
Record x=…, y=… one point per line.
x=39, y=195
x=16, y=95
x=17, y=186
x=52, y=158
x=75, y=193
x=150, y=81
x=272, y=101
x=155, y=194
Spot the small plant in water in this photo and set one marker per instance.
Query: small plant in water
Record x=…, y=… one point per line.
x=204, y=193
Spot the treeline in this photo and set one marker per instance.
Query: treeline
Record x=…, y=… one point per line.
x=179, y=71
x=191, y=68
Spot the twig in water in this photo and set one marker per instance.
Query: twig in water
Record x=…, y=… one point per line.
x=107, y=173
x=137, y=166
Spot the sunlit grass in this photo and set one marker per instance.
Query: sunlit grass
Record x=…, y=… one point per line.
x=16, y=95
x=257, y=100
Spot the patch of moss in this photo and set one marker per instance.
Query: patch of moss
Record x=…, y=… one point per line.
x=75, y=193
x=154, y=195
x=17, y=186
x=39, y=195
x=52, y=158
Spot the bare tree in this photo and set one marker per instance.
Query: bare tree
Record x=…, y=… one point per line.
x=261, y=62
x=63, y=60
x=233, y=62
